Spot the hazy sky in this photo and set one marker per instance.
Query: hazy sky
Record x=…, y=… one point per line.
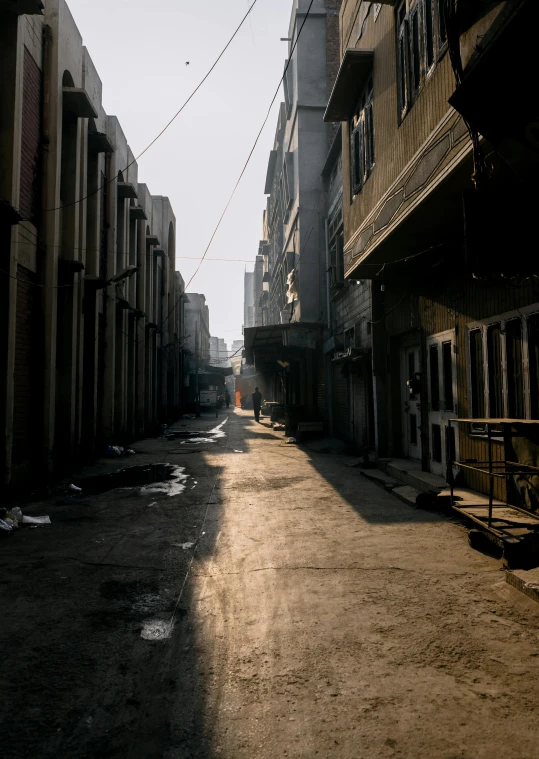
x=140, y=50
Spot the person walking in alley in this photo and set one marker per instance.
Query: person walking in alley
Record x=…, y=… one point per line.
x=227, y=398
x=257, y=403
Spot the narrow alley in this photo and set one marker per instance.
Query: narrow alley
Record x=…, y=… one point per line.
x=267, y=601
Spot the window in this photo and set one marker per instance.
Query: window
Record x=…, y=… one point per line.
x=362, y=140
x=418, y=46
x=336, y=246
x=504, y=365
x=434, y=379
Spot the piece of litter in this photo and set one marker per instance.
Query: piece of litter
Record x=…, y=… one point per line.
x=130, y=451
x=235, y=451
x=185, y=546
x=153, y=503
x=74, y=489
x=36, y=520
x=290, y=440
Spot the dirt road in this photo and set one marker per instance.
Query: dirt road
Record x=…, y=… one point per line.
x=268, y=602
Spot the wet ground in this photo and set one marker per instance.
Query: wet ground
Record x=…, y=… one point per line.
x=227, y=595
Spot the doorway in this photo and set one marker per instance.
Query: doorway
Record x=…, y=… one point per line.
x=411, y=400
x=442, y=396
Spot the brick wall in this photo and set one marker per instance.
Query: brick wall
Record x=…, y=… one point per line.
x=31, y=127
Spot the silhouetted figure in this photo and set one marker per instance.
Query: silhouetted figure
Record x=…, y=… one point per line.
x=257, y=403
x=227, y=398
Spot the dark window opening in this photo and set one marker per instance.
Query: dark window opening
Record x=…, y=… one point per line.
x=495, y=381
x=477, y=373
x=362, y=140
x=415, y=50
x=413, y=429
x=434, y=378
x=515, y=373
x=437, y=443
x=450, y=447
x=411, y=370
x=447, y=367
x=429, y=33
x=442, y=29
x=533, y=349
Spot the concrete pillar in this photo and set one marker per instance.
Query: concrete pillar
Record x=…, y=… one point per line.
x=11, y=63
x=140, y=400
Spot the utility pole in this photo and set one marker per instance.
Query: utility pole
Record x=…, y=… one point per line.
x=197, y=395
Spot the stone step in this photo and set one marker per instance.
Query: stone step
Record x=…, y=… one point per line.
x=407, y=494
x=409, y=473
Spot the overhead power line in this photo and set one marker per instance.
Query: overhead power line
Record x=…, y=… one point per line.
x=249, y=156
x=172, y=120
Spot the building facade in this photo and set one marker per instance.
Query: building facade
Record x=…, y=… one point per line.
x=91, y=301
x=437, y=198
x=291, y=289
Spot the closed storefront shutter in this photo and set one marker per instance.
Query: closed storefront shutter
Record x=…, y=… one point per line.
x=341, y=406
x=24, y=372
x=31, y=112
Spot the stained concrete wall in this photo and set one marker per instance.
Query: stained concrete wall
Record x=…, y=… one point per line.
x=104, y=369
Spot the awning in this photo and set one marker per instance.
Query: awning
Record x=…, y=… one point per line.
x=273, y=341
x=137, y=212
x=22, y=7
x=126, y=190
x=76, y=101
x=354, y=71
x=224, y=371
x=506, y=55
x=98, y=142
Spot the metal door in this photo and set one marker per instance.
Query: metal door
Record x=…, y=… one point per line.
x=442, y=399
x=411, y=401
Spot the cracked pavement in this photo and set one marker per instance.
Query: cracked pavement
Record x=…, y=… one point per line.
x=280, y=605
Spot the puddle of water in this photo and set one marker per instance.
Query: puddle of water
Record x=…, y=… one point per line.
x=195, y=438
x=143, y=476
x=174, y=485
x=156, y=629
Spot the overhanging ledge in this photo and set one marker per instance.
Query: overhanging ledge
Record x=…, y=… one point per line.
x=355, y=68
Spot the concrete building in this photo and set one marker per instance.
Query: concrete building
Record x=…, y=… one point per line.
x=248, y=299
x=92, y=306
x=219, y=353
x=291, y=265
x=437, y=212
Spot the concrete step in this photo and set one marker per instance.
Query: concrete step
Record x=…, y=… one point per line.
x=525, y=580
x=380, y=478
x=409, y=473
x=407, y=494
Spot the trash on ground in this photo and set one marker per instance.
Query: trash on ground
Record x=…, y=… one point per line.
x=16, y=513
x=5, y=529
x=290, y=440
x=186, y=546
x=131, y=452
x=278, y=427
x=36, y=520
x=74, y=489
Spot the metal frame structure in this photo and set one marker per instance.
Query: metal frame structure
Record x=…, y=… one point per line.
x=495, y=469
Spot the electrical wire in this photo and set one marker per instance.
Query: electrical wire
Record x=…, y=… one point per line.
x=191, y=96
x=250, y=153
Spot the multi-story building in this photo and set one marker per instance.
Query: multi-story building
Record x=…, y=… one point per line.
x=197, y=328
x=92, y=305
x=248, y=299
x=219, y=354
x=292, y=254
x=438, y=187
